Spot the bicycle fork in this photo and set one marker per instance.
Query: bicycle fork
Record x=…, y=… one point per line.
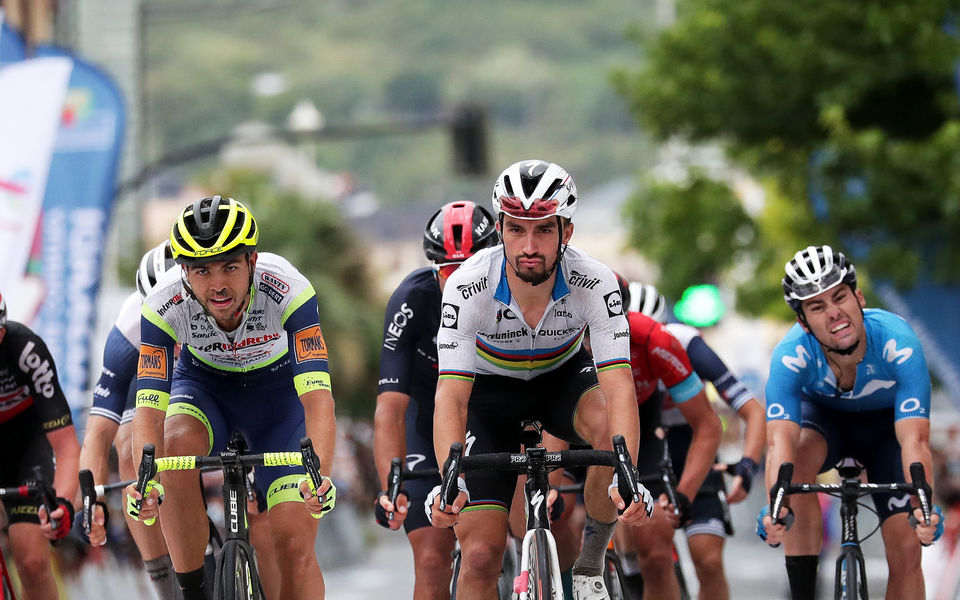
x=521, y=583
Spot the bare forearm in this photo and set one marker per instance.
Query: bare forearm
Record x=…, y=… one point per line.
x=782, y=440
x=321, y=425
x=753, y=440
x=66, y=451
x=97, y=440
x=147, y=429
x=389, y=438
x=700, y=459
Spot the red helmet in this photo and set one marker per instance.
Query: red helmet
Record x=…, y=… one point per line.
x=457, y=231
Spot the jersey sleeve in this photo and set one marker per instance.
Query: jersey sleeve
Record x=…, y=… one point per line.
x=912, y=375
x=39, y=373
x=671, y=364
x=119, y=366
x=711, y=367
x=397, y=349
x=457, y=336
x=155, y=364
x=609, y=330
x=788, y=372
x=305, y=339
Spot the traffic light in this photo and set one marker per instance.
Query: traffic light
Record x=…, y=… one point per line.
x=468, y=129
x=700, y=305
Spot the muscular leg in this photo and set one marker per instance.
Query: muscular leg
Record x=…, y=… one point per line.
x=707, y=553
x=294, y=533
x=803, y=542
x=653, y=544
x=591, y=423
x=183, y=517
x=32, y=554
x=806, y=535
x=482, y=535
x=903, y=559
x=432, y=562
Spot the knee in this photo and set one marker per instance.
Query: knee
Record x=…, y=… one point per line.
x=481, y=560
x=185, y=436
x=432, y=565
x=34, y=567
x=903, y=553
x=655, y=558
x=709, y=566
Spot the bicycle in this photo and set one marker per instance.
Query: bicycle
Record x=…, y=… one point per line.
x=851, y=580
x=539, y=574
x=236, y=576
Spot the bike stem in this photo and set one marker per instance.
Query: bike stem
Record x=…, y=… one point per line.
x=536, y=489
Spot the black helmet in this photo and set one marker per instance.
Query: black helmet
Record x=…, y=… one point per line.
x=457, y=231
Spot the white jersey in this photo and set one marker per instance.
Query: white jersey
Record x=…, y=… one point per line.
x=278, y=290
x=482, y=329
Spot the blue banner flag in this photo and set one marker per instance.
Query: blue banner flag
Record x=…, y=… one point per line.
x=76, y=213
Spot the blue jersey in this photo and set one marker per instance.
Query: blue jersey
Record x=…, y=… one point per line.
x=408, y=356
x=892, y=374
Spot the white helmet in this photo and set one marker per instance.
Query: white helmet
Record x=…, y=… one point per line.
x=153, y=265
x=534, y=189
x=814, y=270
x=645, y=299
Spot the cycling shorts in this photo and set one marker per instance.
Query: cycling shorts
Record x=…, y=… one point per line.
x=420, y=457
x=22, y=449
x=265, y=409
x=499, y=405
x=870, y=438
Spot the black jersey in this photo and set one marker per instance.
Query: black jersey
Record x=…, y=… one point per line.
x=408, y=356
x=29, y=388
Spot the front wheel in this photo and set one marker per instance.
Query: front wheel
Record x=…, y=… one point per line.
x=237, y=577
x=541, y=573
x=851, y=581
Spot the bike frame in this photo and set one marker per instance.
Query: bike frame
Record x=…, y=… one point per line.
x=849, y=490
x=535, y=492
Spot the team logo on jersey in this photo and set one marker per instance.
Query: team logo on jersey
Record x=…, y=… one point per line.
x=505, y=313
x=278, y=284
x=449, y=315
x=614, y=304
x=40, y=370
x=270, y=291
x=474, y=287
x=797, y=362
x=581, y=280
x=891, y=354
x=395, y=328
x=153, y=362
x=169, y=303
x=309, y=344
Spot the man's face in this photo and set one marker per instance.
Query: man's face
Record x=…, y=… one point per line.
x=222, y=287
x=835, y=317
x=532, y=246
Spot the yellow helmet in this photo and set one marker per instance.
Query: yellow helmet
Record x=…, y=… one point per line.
x=213, y=229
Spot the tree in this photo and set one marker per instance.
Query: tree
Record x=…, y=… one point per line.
x=848, y=104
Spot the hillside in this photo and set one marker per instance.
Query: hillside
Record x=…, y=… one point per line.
x=541, y=68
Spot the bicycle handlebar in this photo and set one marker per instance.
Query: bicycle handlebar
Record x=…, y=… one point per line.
x=47, y=495
x=782, y=488
x=393, y=483
x=151, y=466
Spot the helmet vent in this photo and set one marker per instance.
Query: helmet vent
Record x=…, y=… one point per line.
x=458, y=236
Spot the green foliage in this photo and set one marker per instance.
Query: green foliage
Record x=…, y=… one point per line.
x=694, y=230
x=849, y=102
x=317, y=240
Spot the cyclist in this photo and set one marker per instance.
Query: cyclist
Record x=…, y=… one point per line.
x=707, y=528
x=403, y=424
x=36, y=429
x=658, y=358
x=253, y=359
x=111, y=415
x=846, y=382
x=510, y=347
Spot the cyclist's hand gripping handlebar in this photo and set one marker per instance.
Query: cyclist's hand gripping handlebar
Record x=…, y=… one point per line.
x=88, y=493
x=449, y=487
x=778, y=494
x=627, y=484
x=924, y=492
x=47, y=496
x=393, y=483
x=311, y=462
x=148, y=468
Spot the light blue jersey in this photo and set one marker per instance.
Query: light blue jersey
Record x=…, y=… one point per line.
x=892, y=374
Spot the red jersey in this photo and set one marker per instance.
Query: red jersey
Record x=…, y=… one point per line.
x=655, y=356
